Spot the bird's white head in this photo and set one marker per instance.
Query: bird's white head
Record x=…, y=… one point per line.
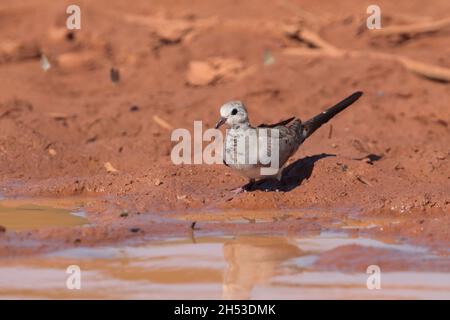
x=233, y=113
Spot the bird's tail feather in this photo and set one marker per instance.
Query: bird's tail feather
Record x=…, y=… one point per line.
x=316, y=122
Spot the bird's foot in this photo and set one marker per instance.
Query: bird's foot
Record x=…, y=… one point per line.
x=237, y=190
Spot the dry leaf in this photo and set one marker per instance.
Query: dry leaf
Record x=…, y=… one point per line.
x=45, y=64
x=109, y=167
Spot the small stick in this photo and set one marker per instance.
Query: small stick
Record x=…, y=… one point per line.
x=424, y=69
x=162, y=123
x=422, y=27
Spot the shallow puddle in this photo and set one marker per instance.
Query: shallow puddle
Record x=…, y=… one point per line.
x=19, y=214
x=241, y=267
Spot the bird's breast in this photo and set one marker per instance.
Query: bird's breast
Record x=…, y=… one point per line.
x=242, y=151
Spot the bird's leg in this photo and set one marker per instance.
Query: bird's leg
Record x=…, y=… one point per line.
x=279, y=176
x=280, y=173
x=244, y=188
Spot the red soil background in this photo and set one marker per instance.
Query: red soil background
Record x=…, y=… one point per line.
x=178, y=62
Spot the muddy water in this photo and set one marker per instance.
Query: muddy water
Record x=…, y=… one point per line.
x=241, y=267
x=23, y=214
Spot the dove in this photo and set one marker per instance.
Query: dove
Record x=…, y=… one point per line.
x=285, y=136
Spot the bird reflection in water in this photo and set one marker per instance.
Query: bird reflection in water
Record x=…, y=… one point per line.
x=254, y=260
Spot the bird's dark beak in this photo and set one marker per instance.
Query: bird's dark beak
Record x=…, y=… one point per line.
x=220, y=122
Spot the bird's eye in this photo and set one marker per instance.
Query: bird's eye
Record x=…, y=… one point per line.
x=233, y=112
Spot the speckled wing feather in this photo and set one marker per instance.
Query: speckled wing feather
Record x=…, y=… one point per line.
x=289, y=138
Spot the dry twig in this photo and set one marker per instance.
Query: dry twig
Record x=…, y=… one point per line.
x=326, y=49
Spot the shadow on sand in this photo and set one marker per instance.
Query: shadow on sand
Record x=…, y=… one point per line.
x=293, y=175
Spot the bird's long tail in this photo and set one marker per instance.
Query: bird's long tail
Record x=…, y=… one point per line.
x=316, y=122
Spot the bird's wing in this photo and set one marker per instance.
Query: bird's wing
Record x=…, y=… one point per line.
x=287, y=142
x=281, y=123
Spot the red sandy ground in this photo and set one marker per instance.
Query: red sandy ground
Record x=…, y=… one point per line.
x=59, y=128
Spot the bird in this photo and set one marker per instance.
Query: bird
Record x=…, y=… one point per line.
x=291, y=133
